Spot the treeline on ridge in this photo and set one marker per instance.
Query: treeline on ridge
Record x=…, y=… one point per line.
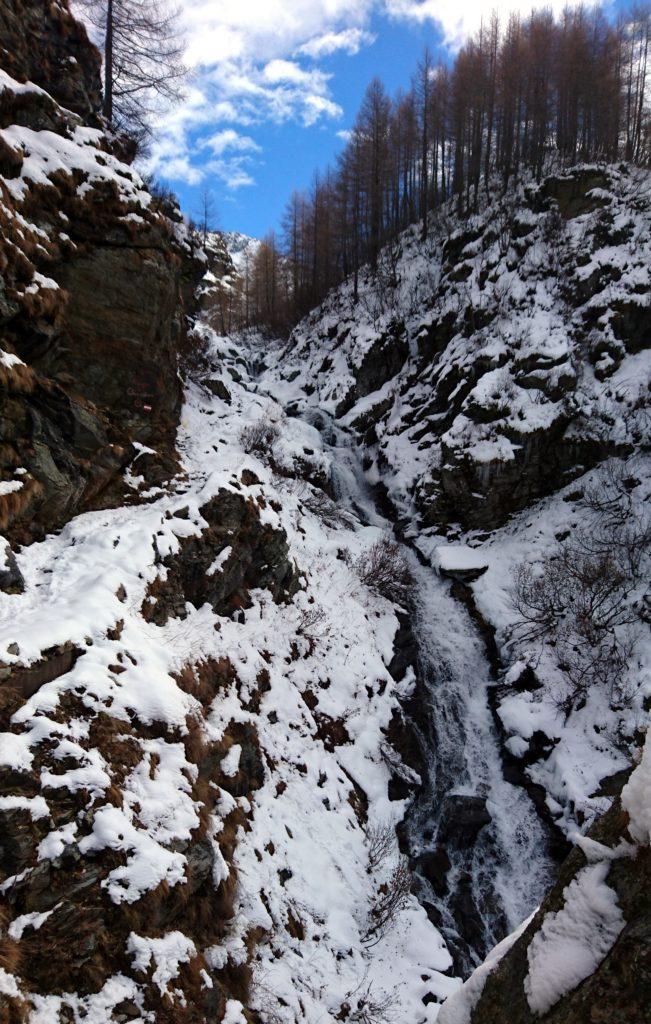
x=524, y=97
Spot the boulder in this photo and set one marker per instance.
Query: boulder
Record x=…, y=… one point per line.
x=460, y=562
x=11, y=578
x=462, y=818
x=257, y=557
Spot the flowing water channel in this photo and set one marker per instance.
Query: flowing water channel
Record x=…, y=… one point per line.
x=477, y=845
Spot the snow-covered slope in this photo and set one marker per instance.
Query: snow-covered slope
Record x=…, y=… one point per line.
x=495, y=362
x=239, y=247
x=486, y=372
x=201, y=785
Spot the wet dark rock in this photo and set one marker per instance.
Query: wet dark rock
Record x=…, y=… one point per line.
x=19, y=838
x=464, y=575
x=119, y=335
x=259, y=558
x=11, y=578
x=527, y=681
x=466, y=914
x=434, y=865
x=619, y=990
x=382, y=362
x=612, y=785
x=572, y=192
x=405, y=649
x=462, y=819
x=219, y=390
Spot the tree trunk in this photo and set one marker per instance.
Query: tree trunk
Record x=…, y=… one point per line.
x=108, y=64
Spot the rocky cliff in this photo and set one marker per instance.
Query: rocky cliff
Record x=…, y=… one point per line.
x=493, y=364
x=495, y=382
x=585, y=955
x=91, y=265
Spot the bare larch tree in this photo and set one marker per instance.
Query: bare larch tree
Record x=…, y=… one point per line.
x=143, y=67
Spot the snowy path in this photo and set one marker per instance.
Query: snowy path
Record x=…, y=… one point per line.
x=496, y=878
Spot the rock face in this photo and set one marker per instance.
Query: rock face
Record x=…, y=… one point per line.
x=41, y=42
x=248, y=554
x=91, y=267
x=505, y=362
x=574, y=919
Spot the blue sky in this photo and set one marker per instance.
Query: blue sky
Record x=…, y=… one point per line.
x=274, y=82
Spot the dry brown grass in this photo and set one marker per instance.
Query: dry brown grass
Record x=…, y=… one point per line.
x=9, y=949
x=206, y=679
x=17, y=504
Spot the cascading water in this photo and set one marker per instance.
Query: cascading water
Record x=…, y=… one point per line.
x=478, y=847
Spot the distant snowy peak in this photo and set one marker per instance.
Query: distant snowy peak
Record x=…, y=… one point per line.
x=240, y=247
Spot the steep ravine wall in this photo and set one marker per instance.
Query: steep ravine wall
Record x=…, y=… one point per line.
x=91, y=265
x=492, y=395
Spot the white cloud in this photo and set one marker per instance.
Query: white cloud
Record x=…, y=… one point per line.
x=241, y=52
x=345, y=135
x=350, y=40
x=287, y=71
x=230, y=172
x=249, y=67
x=264, y=29
x=459, y=20
x=228, y=139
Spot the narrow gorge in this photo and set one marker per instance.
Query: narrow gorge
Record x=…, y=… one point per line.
x=324, y=647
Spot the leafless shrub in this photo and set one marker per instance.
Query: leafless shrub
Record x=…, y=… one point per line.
x=366, y=1006
x=259, y=438
x=312, y=622
x=619, y=525
x=380, y=844
x=385, y=569
x=578, y=601
x=321, y=505
x=391, y=898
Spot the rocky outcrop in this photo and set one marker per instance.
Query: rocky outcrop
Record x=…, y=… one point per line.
x=95, y=869
x=41, y=42
x=92, y=268
x=71, y=936
x=494, y=371
x=235, y=554
x=585, y=955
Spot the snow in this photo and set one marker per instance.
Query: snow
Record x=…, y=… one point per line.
x=8, y=984
x=94, y=574
x=220, y=561
x=10, y=360
x=636, y=797
x=36, y=805
x=167, y=953
x=231, y=763
x=234, y=1012
x=56, y=841
x=571, y=943
x=459, y=556
x=148, y=862
x=32, y=920
x=46, y=153
x=239, y=247
x=10, y=486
